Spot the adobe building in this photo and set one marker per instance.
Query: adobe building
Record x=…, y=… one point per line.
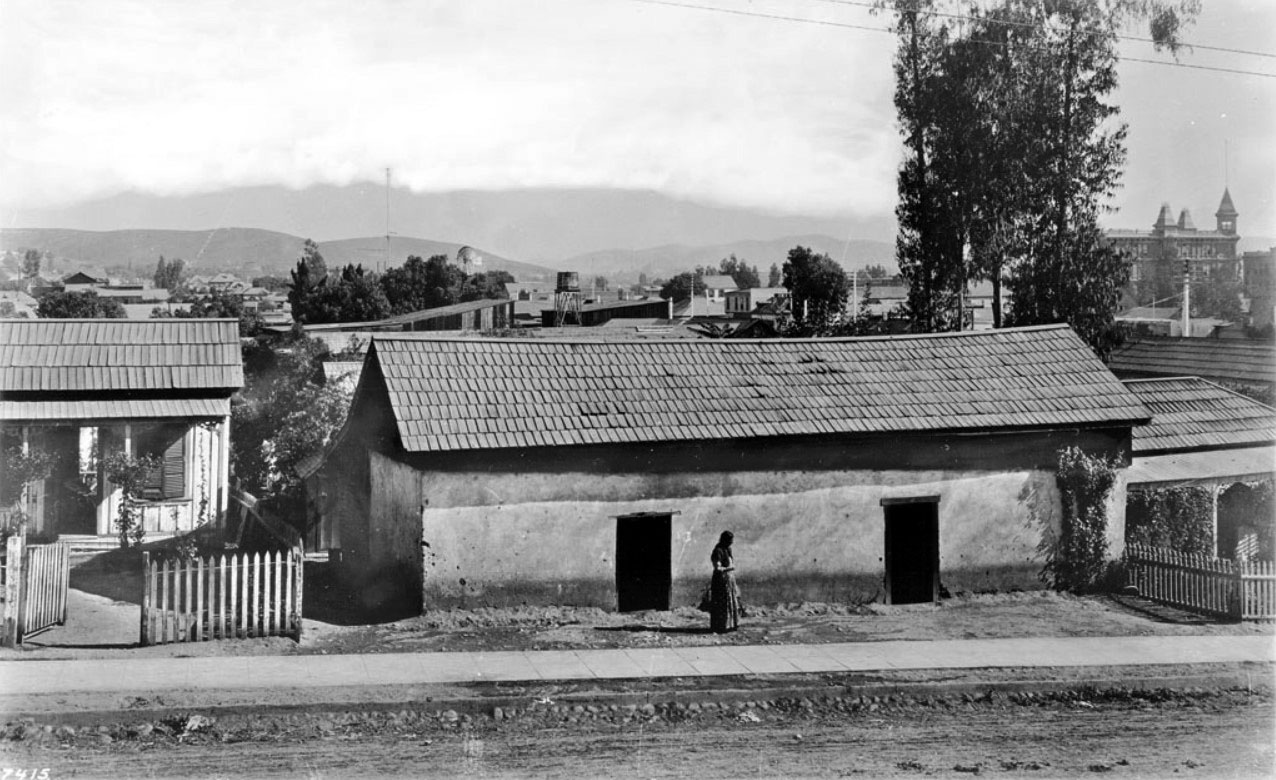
x=506, y=472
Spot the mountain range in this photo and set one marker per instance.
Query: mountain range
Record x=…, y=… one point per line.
x=252, y=252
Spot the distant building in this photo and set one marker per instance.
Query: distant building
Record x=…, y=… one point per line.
x=742, y=303
x=1260, y=286
x=717, y=286
x=1158, y=255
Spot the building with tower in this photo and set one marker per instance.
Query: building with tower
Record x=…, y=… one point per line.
x=1158, y=254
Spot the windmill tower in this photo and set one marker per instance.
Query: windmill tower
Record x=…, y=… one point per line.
x=567, y=298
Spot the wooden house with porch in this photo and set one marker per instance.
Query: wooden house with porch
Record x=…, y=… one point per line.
x=506, y=471
x=78, y=390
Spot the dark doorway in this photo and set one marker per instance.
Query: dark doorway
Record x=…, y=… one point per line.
x=643, y=561
x=912, y=550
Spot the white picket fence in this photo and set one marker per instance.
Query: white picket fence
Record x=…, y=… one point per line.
x=1242, y=590
x=222, y=597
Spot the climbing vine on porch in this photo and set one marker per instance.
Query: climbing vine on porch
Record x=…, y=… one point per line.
x=1076, y=558
x=128, y=475
x=18, y=470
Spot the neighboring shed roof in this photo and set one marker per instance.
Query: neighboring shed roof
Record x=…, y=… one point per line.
x=102, y=356
x=1235, y=360
x=482, y=394
x=1189, y=413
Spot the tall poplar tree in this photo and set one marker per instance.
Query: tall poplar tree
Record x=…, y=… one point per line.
x=1012, y=150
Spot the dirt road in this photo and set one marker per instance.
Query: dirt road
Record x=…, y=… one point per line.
x=1126, y=734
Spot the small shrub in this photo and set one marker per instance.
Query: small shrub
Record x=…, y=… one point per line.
x=1180, y=518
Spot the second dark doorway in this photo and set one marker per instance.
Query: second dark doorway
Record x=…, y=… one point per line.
x=912, y=550
x=643, y=561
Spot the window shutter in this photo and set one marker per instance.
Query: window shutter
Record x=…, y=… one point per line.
x=175, y=468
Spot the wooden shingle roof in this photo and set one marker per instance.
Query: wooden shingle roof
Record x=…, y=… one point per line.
x=1189, y=413
x=449, y=395
x=104, y=356
x=1229, y=360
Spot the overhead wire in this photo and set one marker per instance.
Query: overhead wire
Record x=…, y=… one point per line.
x=870, y=28
x=1010, y=23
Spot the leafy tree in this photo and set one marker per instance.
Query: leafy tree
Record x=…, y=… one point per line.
x=744, y=275
x=876, y=271
x=774, y=278
x=216, y=305
x=31, y=263
x=170, y=274
x=422, y=284
x=284, y=416
x=600, y=283
x=1012, y=149
x=683, y=285
x=355, y=295
x=487, y=285
x=59, y=304
x=818, y=287
x=272, y=283
x=310, y=273
x=1219, y=298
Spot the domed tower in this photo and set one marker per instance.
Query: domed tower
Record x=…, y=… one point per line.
x=1226, y=215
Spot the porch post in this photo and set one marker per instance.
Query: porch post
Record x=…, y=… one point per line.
x=223, y=482
x=1214, y=491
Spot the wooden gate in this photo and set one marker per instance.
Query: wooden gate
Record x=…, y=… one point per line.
x=222, y=597
x=36, y=580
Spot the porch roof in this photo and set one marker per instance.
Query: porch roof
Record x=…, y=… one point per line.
x=122, y=409
x=1211, y=467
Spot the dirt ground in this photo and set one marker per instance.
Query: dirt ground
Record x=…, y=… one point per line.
x=1150, y=734
x=103, y=623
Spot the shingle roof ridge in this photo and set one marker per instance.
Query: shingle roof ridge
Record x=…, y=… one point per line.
x=969, y=334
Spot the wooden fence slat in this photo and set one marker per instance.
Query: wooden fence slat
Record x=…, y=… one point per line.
x=289, y=613
x=199, y=599
x=222, y=575
x=234, y=597
x=186, y=600
x=254, y=611
x=301, y=592
x=280, y=620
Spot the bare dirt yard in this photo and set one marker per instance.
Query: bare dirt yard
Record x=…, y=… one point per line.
x=103, y=623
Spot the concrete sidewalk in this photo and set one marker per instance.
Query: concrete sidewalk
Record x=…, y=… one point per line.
x=266, y=673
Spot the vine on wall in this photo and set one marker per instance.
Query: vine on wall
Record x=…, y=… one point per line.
x=1076, y=559
x=128, y=474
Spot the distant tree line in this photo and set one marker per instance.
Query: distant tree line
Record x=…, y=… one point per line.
x=354, y=294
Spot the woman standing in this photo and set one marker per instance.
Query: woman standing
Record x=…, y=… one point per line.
x=724, y=599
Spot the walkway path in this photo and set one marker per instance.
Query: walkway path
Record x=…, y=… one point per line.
x=265, y=673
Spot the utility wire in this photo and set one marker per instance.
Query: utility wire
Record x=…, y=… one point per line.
x=1030, y=25
x=846, y=25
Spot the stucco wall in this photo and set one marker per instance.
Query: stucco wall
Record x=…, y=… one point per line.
x=511, y=538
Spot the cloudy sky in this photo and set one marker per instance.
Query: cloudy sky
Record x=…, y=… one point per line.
x=171, y=98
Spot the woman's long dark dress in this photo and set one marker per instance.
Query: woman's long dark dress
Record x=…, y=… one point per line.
x=724, y=600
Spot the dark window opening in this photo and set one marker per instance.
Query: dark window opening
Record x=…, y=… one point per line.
x=912, y=550
x=166, y=442
x=644, y=561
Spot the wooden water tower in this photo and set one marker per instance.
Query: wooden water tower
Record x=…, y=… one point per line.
x=567, y=298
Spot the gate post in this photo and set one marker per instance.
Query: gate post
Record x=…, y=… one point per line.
x=15, y=575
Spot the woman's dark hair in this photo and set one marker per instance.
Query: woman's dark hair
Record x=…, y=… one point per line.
x=726, y=539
